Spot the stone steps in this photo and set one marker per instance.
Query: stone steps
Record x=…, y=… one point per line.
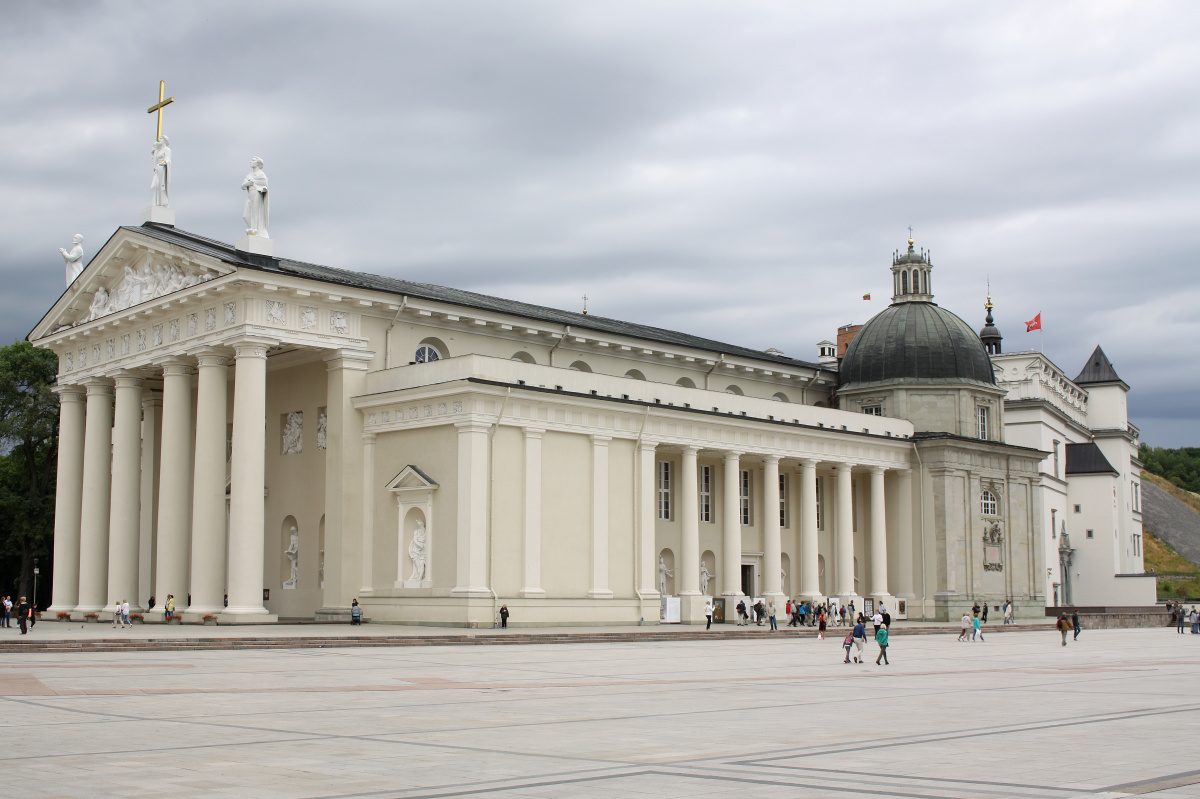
x=32, y=645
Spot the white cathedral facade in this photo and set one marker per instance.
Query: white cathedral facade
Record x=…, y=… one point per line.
x=269, y=439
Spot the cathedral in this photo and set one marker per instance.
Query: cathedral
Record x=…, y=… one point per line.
x=266, y=439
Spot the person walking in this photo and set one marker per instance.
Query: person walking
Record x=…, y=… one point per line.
x=23, y=616
x=821, y=627
x=771, y=615
x=1064, y=627
x=355, y=612
x=887, y=618
x=802, y=613
x=759, y=613
x=125, y=614
x=842, y=614
x=859, y=635
x=1075, y=625
x=966, y=627
x=1180, y=617
x=169, y=608
x=881, y=638
x=117, y=612
x=877, y=620
x=985, y=612
x=975, y=623
x=1008, y=612
x=708, y=611
x=847, y=643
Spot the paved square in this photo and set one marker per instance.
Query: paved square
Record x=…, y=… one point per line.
x=1115, y=714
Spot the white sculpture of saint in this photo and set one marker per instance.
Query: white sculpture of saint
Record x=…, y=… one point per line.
x=160, y=183
x=416, y=551
x=782, y=579
x=321, y=568
x=73, y=259
x=663, y=574
x=293, y=555
x=99, y=306
x=705, y=576
x=258, y=203
x=322, y=428
x=293, y=433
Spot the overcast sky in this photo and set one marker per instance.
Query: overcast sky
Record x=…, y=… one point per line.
x=736, y=170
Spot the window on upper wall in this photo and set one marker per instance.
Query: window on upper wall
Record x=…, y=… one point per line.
x=981, y=420
x=1056, y=446
x=427, y=353
x=664, y=490
x=706, y=493
x=1137, y=544
x=873, y=410
x=820, y=516
x=1091, y=534
x=783, y=500
x=1135, y=494
x=988, y=504
x=1053, y=523
x=1078, y=508
x=744, y=497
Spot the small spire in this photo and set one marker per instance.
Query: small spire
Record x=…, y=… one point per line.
x=585, y=305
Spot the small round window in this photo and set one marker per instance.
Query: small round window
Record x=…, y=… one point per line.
x=427, y=353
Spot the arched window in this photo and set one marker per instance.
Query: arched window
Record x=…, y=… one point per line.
x=686, y=382
x=734, y=390
x=427, y=353
x=924, y=281
x=779, y=396
x=904, y=282
x=635, y=374
x=580, y=366
x=523, y=357
x=988, y=504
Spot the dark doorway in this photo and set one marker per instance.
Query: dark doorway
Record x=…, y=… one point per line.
x=748, y=580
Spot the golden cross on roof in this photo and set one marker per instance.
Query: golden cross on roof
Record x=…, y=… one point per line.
x=160, y=105
x=585, y=304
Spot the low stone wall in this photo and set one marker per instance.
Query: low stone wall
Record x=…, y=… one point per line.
x=1098, y=618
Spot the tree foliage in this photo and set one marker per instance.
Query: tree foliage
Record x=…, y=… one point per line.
x=28, y=460
x=1180, y=466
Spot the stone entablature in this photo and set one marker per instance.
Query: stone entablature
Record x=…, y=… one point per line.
x=1033, y=376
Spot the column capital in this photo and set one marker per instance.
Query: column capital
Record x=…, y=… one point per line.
x=878, y=470
x=151, y=399
x=472, y=427
x=599, y=439
x=842, y=466
x=348, y=358
x=771, y=459
x=97, y=385
x=533, y=432
x=70, y=393
x=732, y=455
x=211, y=356
x=809, y=463
x=369, y=438
x=252, y=346
x=647, y=445
x=128, y=379
x=176, y=366
x=692, y=450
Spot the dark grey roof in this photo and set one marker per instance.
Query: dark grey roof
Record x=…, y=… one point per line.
x=1098, y=369
x=326, y=274
x=915, y=342
x=1087, y=459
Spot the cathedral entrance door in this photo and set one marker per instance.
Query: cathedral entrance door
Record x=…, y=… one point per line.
x=748, y=579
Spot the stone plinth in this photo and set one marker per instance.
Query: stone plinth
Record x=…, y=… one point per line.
x=255, y=244
x=159, y=215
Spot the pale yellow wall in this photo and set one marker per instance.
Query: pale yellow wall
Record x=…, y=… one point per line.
x=567, y=514
x=508, y=514
x=295, y=487
x=621, y=526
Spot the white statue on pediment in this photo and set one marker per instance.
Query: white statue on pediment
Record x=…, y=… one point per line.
x=73, y=258
x=258, y=202
x=99, y=306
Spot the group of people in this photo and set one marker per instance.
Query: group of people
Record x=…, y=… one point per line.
x=972, y=623
x=857, y=639
x=1066, y=625
x=26, y=617
x=121, y=613
x=1181, y=615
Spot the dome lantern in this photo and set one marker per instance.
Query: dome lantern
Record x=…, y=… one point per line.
x=912, y=278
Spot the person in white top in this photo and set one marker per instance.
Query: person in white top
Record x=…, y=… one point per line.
x=967, y=627
x=8, y=606
x=125, y=614
x=877, y=620
x=708, y=611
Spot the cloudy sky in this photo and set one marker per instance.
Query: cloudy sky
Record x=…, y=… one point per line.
x=737, y=170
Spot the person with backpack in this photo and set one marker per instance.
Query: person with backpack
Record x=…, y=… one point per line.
x=847, y=643
x=1064, y=627
x=881, y=638
x=821, y=626
x=742, y=617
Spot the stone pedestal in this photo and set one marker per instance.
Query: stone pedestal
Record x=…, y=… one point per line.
x=158, y=215
x=255, y=244
x=691, y=609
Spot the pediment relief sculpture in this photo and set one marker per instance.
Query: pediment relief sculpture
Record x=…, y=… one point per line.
x=141, y=285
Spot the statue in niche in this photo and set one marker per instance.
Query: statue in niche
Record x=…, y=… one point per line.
x=293, y=433
x=321, y=568
x=258, y=203
x=160, y=183
x=705, y=576
x=416, y=551
x=293, y=555
x=322, y=425
x=73, y=258
x=663, y=574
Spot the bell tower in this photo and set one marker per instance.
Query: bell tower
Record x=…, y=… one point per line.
x=990, y=336
x=912, y=275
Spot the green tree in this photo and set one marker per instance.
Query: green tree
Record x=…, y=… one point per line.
x=1180, y=466
x=29, y=447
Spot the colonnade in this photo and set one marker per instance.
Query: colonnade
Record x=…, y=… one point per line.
x=98, y=529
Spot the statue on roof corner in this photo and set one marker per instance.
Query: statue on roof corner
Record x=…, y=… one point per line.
x=160, y=183
x=73, y=259
x=258, y=203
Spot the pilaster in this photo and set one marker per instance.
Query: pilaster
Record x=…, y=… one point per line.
x=647, y=555
x=368, y=511
x=531, y=577
x=600, y=588
x=471, y=543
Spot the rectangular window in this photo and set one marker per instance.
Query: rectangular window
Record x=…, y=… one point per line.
x=1056, y=471
x=664, y=490
x=873, y=410
x=1091, y=534
x=1137, y=544
x=783, y=500
x=1135, y=492
x=1078, y=508
x=982, y=418
x=1053, y=523
x=744, y=496
x=706, y=493
x=820, y=515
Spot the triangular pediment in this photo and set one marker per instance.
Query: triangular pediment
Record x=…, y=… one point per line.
x=129, y=270
x=411, y=478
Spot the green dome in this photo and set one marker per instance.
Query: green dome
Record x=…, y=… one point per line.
x=915, y=342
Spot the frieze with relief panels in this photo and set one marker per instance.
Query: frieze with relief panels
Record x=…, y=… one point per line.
x=303, y=315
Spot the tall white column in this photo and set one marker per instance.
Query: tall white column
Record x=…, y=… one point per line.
x=207, y=584
x=845, y=534
x=472, y=510
x=810, y=574
x=152, y=405
x=97, y=497
x=368, y=562
x=905, y=578
x=248, y=480
x=68, y=498
x=124, y=520
x=647, y=515
x=687, y=574
x=531, y=577
x=731, y=534
x=175, y=485
x=879, y=553
x=772, y=545
x=600, y=588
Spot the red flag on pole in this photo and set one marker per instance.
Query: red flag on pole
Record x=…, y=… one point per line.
x=1034, y=324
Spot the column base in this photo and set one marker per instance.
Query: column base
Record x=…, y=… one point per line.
x=815, y=597
x=844, y=600
x=471, y=591
x=691, y=609
x=54, y=610
x=600, y=593
x=532, y=593
x=885, y=601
